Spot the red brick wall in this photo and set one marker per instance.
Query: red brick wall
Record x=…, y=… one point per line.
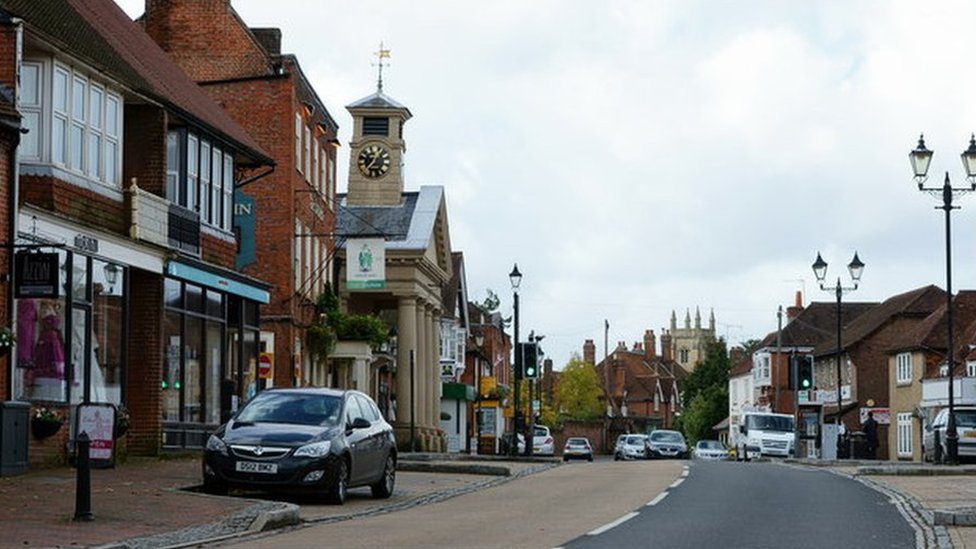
x=188, y=31
x=145, y=362
x=74, y=202
x=6, y=183
x=8, y=55
x=144, y=157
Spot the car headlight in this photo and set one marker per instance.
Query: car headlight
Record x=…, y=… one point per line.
x=214, y=444
x=316, y=449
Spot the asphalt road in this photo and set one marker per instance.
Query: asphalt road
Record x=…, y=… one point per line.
x=759, y=505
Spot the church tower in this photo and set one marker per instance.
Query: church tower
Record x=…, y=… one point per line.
x=377, y=147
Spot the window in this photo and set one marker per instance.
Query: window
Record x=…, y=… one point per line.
x=308, y=153
x=971, y=369
x=73, y=121
x=204, y=182
x=903, y=368
x=904, y=434
x=760, y=367
x=374, y=125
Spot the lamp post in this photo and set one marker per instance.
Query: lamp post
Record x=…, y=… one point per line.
x=479, y=341
x=855, y=268
x=516, y=278
x=921, y=157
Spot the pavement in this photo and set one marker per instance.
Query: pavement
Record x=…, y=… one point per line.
x=155, y=503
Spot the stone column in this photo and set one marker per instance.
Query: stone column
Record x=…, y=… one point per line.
x=423, y=366
x=406, y=342
x=433, y=320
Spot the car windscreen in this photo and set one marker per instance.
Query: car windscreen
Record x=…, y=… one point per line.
x=635, y=440
x=770, y=423
x=665, y=436
x=966, y=418
x=294, y=408
x=710, y=445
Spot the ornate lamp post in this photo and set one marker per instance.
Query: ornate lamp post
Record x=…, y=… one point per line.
x=921, y=157
x=855, y=268
x=516, y=279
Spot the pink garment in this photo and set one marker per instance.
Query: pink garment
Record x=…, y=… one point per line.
x=49, y=350
x=26, y=320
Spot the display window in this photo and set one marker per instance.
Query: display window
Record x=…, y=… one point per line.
x=69, y=348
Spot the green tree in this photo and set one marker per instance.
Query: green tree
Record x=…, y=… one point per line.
x=578, y=393
x=705, y=394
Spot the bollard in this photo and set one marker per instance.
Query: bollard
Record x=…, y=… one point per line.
x=83, y=485
x=937, y=449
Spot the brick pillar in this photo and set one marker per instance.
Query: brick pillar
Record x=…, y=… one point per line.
x=145, y=367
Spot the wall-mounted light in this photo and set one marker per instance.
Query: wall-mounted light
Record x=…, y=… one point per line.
x=111, y=271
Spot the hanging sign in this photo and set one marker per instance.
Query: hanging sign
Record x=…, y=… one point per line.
x=36, y=275
x=366, y=268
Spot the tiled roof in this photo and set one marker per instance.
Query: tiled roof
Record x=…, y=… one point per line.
x=918, y=303
x=406, y=226
x=817, y=323
x=102, y=35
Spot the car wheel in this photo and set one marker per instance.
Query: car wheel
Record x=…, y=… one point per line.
x=214, y=487
x=616, y=457
x=384, y=487
x=337, y=492
x=590, y=459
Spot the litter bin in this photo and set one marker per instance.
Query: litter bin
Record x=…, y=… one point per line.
x=14, y=422
x=858, y=445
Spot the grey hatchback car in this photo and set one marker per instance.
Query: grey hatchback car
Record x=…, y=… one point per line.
x=312, y=440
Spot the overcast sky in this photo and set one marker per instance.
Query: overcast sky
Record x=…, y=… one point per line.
x=638, y=157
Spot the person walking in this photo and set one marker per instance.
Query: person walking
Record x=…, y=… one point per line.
x=870, y=429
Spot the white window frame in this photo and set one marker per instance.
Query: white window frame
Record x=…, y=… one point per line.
x=971, y=368
x=298, y=142
x=308, y=153
x=903, y=368
x=31, y=109
x=207, y=186
x=904, y=442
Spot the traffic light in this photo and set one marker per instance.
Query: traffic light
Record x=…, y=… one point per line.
x=805, y=373
x=530, y=360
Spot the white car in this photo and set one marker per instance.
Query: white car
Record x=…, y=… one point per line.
x=630, y=447
x=542, y=442
x=710, y=449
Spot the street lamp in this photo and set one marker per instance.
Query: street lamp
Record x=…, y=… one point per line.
x=921, y=157
x=855, y=268
x=479, y=341
x=516, y=278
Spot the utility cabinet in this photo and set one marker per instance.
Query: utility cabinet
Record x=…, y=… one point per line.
x=14, y=428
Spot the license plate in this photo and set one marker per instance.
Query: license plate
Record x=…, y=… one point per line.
x=255, y=467
x=969, y=434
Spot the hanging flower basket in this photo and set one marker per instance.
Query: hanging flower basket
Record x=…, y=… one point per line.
x=45, y=422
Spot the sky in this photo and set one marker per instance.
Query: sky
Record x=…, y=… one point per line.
x=638, y=157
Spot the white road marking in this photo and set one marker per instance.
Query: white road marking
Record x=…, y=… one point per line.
x=685, y=472
x=660, y=497
x=677, y=483
x=613, y=524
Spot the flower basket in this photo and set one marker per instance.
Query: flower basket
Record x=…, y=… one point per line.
x=46, y=422
x=43, y=428
x=121, y=421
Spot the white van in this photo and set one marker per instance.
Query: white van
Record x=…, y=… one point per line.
x=765, y=434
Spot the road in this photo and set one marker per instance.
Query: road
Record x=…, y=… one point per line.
x=632, y=504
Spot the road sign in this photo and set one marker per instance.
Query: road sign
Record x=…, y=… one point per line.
x=264, y=365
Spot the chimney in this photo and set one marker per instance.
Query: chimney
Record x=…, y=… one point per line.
x=269, y=38
x=620, y=378
x=649, y=345
x=666, y=346
x=797, y=308
x=589, y=352
x=736, y=354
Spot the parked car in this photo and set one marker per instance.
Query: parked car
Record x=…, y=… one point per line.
x=311, y=440
x=965, y=429
x=666, y=444
x=630, y=447
x=577, y=448
x=542, y=442
x=710, y=449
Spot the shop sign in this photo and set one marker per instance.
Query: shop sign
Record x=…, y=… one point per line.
x=36, y=275
x=366, y=269
x=98, y=420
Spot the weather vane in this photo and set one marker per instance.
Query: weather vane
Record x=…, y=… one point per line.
x=383, y=53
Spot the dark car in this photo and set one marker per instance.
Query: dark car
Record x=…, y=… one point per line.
x=312, y=440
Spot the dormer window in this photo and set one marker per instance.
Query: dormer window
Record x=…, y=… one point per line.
x=376, y=125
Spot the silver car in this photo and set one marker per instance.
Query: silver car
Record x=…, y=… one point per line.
x=965, y=428
x=710, y=449
x=630, y=447
x=666, y=444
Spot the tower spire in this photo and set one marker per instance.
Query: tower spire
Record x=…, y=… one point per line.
x=382, y=54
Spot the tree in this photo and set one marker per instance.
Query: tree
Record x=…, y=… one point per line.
x=705, y=394
x=578, y=392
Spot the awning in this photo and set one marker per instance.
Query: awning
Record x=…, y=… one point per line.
x=457, y=391
x=219, y=279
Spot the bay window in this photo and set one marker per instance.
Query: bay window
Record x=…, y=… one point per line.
x=200, y=177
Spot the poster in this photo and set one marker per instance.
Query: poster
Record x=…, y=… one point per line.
x=366, y=269
x=98, y=420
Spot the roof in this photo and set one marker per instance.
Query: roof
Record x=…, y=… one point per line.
x=816, y=323
x=378, y=100
x=99, y=33
x=406, y=226
x=918, y=303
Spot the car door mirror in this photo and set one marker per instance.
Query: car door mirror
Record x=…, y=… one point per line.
x=360, y=423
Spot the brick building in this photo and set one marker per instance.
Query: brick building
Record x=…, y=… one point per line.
x=286, y=219
x=125, y=194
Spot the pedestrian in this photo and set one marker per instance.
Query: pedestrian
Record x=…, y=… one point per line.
x=870, y=429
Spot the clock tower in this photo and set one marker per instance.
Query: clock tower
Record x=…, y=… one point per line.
x=377, y=147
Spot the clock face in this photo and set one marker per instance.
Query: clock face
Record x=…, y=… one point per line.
x=374, y=161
